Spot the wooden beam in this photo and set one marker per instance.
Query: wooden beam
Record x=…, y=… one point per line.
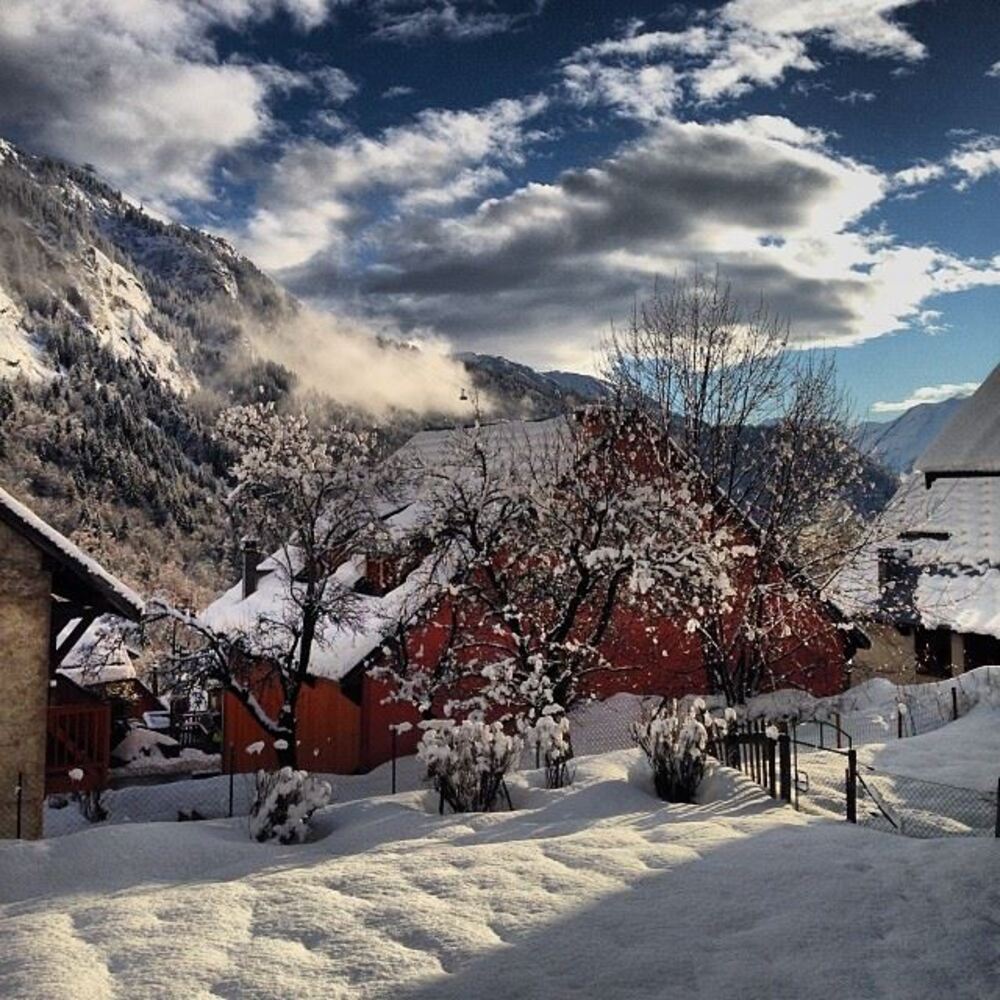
x=60, y=650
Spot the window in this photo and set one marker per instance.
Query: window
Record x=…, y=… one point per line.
x=981, y=651
x=933, y=648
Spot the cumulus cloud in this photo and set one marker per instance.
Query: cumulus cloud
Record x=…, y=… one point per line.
x=312, y=194
x=994, y=70
x=137, y=88
x=976, y=157
x=644, y=93
x=753, y=43
x=540, y=272
x=348, y=362
x=926, y=394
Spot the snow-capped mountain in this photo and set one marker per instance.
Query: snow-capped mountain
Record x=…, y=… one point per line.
x=898, y=443
x=79, y=257
x=120, y=337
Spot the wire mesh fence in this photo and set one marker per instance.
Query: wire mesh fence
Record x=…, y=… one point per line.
x=818, y=773
x=917, y=808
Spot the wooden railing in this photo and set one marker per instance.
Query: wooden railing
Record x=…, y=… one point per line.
x=78, y=740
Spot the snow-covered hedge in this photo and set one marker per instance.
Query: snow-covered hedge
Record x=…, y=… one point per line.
x=550, y=736
x=675, y=743
x=467, y=762
x=283, y=804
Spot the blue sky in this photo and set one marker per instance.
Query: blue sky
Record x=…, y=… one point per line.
x=510, y=176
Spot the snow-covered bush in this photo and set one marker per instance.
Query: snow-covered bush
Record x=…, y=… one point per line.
x=550, y=737
x=467, y=762
x=675, y=744
x=283, y=804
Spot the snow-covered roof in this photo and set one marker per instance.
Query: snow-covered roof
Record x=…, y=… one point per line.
x=969, y=443
x=113, y=595
x=505, y=441
x=100, y=655
x=952, y=530
x=342, y=648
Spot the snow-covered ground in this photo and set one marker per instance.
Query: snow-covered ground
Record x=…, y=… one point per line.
x=599, y=890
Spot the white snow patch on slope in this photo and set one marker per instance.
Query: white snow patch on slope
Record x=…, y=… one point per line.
x=598, y=891
x=19, y=354
x=119, y=306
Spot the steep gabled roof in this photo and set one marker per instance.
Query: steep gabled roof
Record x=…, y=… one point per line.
x=76, y=575
x=950, y=532
x=969, y=444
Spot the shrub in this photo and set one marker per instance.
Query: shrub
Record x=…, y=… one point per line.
x=550, y=736
x=467, y=762
x=283, y=804
x=674, y=743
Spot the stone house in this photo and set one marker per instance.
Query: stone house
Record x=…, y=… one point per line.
x=929, y=586
x=50, y=594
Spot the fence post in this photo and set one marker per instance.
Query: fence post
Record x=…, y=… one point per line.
x=836, y=719
x=954, y=703
x=20, y=799
x=392, y=729
x=232, y=776
x=852, y=786
x=997, y=830
x=899, y=722
x=784, y=764
x=733, y=757
x=771, y=776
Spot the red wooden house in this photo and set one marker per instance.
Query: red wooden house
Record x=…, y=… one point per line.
x=345, y=722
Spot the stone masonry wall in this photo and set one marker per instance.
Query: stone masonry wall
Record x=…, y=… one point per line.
x=25, y=605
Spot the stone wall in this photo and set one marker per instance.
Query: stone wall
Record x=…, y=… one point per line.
x=892, y=656
x=25, y=606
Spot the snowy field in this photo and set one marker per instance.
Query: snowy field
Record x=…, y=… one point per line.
x=599, y=890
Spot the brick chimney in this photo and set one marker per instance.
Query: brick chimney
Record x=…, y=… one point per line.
x=251, y=560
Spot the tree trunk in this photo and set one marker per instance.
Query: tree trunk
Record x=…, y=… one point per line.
x=286, y=745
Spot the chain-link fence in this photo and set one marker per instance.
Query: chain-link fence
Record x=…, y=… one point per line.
x=917, y=808
x=819, y=783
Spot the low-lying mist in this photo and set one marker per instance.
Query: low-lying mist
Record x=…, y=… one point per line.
x=348, y=363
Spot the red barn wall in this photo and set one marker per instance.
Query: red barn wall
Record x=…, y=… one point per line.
x=329, y=730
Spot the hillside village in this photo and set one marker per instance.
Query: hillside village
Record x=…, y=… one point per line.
x=498, y=498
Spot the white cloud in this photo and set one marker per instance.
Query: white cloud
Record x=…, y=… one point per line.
x=644, y=93
x=136, y=86
x=994, y=70
x=926, y=394
x=310, y=195
x=415, y=20
x=918, y=175
x=539, y=273
x=853, y=97
x=976, y=159
x=754, y=43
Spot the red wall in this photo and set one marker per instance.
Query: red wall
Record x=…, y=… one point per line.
x=329, y=730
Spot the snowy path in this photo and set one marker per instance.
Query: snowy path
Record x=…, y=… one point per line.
x=596, y=891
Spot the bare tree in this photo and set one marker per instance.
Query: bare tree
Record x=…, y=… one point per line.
x=311, y=499
x=549, y=545
x=770, y=429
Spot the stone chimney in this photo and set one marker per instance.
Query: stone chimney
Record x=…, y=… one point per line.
x=251, y=560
